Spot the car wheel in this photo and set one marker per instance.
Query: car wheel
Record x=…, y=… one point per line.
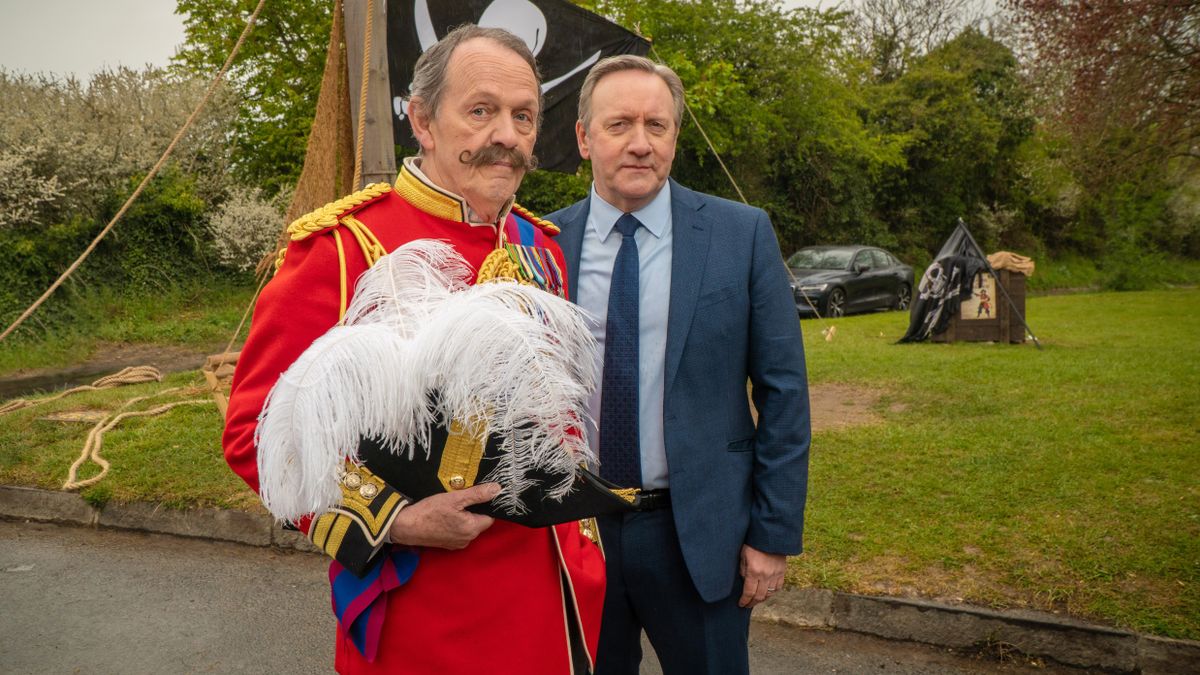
x=903, y=296
x=835, y=304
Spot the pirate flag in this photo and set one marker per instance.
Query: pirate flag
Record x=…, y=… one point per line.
x=566, y=40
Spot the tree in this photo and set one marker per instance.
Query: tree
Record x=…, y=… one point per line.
x=1120, y=82
x=1131, y=65
x=277, y=76
x=965, y=113
x=778, y=93
x=891, y=33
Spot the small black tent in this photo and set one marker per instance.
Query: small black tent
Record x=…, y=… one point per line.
x=947, y=282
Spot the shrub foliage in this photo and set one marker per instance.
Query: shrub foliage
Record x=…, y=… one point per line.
x=70, y=156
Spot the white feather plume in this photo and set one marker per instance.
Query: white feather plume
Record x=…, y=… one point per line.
x=518, y=359
x=354, y=381
x=513, y=357
x=403, y=287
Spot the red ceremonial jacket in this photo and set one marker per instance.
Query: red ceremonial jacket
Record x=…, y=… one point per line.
x=506, y=603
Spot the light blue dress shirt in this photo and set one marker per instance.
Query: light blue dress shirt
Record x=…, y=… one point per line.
x=600, y=246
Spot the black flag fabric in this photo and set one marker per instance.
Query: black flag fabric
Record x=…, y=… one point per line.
x=566, y=40
x=946, y=283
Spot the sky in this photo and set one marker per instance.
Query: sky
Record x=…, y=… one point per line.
x=80, y=37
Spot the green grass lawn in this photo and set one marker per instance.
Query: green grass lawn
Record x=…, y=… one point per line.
x=174, y=458
x=200, y=316
x=1062, y=479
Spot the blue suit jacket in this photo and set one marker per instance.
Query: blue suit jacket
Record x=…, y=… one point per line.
x=732, y=317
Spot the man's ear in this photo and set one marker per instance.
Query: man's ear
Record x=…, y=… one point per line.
x=419, y=119
x=582, y=139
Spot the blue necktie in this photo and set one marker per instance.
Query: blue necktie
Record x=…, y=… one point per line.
x=620, y=454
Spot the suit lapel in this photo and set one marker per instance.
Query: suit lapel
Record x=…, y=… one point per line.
x=570, y=240
x=691, y=236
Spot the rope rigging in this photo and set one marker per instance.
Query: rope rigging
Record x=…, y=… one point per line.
x=145, y=181
x=134, y=374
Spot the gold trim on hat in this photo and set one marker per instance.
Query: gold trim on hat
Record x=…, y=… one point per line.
x=461, y=455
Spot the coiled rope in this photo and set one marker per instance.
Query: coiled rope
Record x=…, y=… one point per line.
x=95, y=439
x=131, y=375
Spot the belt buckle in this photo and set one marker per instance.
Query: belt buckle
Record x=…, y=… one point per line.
x=651, y=500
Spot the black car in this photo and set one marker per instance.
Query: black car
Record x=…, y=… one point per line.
x=836, y=280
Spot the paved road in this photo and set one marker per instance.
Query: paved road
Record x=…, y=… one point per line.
x=76, y=600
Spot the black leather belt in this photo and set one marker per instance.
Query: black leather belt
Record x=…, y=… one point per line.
x=650, y=500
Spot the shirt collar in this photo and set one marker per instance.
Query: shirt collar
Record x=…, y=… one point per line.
x=654, y=216
x=436, y=193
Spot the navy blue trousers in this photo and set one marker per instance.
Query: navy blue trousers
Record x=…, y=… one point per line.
x=649, y=589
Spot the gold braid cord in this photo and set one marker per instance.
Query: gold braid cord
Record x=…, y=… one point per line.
x=628, y=494
x=499, y=265
x=546, y=225
x=364, y=78
x=330, y=216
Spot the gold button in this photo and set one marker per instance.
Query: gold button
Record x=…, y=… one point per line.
x=458, y=482
x=368, y=491
x=352, y=480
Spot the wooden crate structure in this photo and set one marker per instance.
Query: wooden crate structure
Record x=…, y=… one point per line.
x=987, y=316
x=218, y=371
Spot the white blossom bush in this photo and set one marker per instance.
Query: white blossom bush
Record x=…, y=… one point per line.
x=245, y=227
x=66, y=146
x=70, y=155
x=25, y=195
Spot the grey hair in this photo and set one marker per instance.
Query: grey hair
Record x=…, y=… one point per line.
x=616, y=64
x=429, y=75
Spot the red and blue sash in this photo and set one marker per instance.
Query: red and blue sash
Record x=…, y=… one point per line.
x=360, y=603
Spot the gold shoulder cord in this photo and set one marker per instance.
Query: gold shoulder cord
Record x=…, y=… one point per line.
x=330, y=216
x=372, y=250
x=546, y=225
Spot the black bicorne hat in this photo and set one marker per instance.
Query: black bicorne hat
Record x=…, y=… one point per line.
x=458, y=461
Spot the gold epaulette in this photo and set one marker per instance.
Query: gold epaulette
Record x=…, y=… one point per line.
x=332, y=215
x=550, y=228
x=328, y=215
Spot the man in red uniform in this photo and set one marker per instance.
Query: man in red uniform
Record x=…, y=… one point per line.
x=442, y=589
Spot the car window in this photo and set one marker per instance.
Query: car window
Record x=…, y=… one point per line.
x=819, y=259
x=804, y=258
x=863, y=259
x=881, y=259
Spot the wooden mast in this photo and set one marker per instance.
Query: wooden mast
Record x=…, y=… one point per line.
x=378, y=146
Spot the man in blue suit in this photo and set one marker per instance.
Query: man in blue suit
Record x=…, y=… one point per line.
x=692, y=299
